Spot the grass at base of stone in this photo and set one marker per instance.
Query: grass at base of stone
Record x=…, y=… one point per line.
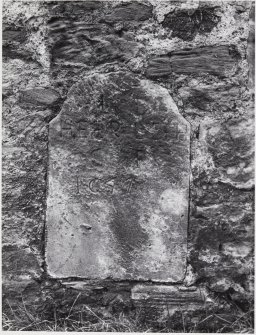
x=117, y=324
x=23, y=319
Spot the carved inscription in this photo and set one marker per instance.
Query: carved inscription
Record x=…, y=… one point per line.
x=81, y=128
x=118, y=164
x=106, y=185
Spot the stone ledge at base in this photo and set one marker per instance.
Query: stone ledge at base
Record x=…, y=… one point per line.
x=165, y=298
x=169, y=296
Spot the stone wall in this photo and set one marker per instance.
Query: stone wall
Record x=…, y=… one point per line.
x=202, y=53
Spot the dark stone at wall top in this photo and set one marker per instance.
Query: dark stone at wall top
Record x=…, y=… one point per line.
x=129, y=12
x=186, y=24
x=70, y=8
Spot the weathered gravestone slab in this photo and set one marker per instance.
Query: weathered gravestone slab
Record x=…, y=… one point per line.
x=118, y=182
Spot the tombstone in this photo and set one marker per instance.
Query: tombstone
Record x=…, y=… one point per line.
x=118, y=182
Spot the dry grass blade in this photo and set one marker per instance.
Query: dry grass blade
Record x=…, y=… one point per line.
x=73, y=304
x=219, y=317
x=91, y=311
x=34, y=324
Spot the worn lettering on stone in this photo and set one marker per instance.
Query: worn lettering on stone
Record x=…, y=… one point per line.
x=118, y=182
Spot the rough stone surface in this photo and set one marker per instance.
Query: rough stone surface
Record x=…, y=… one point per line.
x=217, y=60
x=40, y=96
x=54, y=45
x=133, y=11
x=118, y=182
x=24, y=152
x=186, y=23
x=251, y=49
x=169, y=296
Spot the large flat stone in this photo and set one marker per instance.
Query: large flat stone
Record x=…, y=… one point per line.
x=216, y=60
x=85, y=43
x=118, y=182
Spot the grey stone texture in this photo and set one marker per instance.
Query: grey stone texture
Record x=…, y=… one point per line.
x=206, y=68
x=118, y=188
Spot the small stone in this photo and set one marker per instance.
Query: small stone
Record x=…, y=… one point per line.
x=11, y=35
x=20, y=260
x=40, y=96
x=133, y=11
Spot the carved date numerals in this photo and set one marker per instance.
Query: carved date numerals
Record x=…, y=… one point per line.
x=178, y=132
x=105, y=185
x=128, y=184
x=70, y=128
x=95, y=185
